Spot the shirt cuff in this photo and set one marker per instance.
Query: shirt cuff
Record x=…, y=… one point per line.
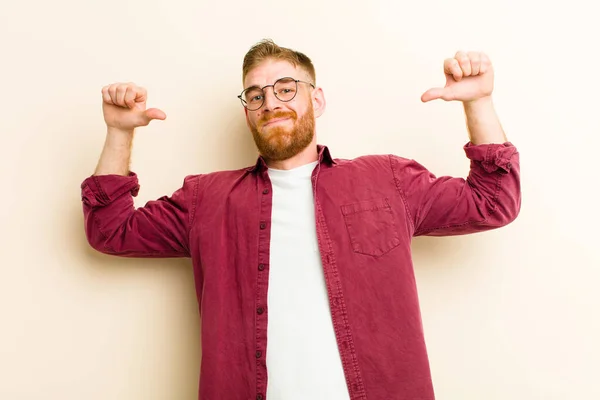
x=492, y=156
x=101, y=190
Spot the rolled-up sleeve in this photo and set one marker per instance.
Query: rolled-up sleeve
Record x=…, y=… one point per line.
x=489, y=198
x=114, y=226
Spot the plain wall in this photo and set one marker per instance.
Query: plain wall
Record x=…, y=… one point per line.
x=508, y=314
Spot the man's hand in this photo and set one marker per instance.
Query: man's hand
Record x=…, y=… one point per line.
x=124, y=107
x=469, y=77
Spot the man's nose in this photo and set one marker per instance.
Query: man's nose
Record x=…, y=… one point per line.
x=271, y=101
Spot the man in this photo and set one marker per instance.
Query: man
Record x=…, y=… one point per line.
x=302, y=262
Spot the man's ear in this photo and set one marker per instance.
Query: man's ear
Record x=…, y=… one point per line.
x=319, y=103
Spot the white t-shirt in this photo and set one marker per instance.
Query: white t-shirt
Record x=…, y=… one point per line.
x=303, y=360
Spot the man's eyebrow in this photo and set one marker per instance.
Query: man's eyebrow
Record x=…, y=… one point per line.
x=252, y=87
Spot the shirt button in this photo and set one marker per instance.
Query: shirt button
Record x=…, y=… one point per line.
x=266, y=191
x=260, y=310
x=261, y=267
x=263, y=225
x=259, y=397
x=258, y=354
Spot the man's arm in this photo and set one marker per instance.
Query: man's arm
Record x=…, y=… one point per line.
x=482, y=122
x=116, y=154
x=112, y=224
x=490, y=197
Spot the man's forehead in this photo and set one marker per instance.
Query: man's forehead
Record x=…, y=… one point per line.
x=269, y=71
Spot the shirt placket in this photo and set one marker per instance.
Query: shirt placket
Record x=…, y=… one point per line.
x=337, y=303
x=265, y=201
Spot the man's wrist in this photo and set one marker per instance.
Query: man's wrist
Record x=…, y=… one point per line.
x=116, y=137
x=481, y=104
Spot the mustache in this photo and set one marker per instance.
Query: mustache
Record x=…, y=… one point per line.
x=275, y=115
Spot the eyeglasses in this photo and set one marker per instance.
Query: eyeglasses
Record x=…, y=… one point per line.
x=285, y=89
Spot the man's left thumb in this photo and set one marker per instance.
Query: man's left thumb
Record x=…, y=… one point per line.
x=432, y=94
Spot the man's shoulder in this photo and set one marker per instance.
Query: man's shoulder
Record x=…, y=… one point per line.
x=226, y=175
x=368, y=160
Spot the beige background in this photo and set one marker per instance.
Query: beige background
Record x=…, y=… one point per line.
x=509, y=314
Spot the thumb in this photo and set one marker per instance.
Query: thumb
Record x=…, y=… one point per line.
x=153, y=113
x=433, y=94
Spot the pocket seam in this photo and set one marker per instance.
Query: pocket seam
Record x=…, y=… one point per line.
x=365, y=205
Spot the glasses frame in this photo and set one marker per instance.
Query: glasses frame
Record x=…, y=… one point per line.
x=244, y=103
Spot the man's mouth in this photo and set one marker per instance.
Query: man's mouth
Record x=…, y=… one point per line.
x=275, y=121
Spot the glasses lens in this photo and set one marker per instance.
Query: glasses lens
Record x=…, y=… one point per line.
x=285, y=89
x=253, y=98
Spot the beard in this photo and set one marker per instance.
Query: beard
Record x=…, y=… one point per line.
x=280, y=143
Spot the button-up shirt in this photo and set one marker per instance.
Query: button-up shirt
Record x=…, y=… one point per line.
x=367, y=210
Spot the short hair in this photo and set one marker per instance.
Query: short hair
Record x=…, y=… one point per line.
x=267, y=49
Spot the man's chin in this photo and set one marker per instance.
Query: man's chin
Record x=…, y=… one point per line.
x=276, y=134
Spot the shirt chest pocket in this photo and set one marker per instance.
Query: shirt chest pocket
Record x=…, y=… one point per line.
x=371, y=227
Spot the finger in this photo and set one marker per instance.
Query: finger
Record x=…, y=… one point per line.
x=106, y=96
x=475, y=63
x=121, y=91
x=130, y=95
x=486, y=64
x=464, y=62
x=112, y=92
x=140, y=94
x=432, y=94
x=451, y=67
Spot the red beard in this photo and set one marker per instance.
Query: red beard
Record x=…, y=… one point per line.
x=278, y=143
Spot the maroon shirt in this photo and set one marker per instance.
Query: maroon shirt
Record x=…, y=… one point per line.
x=367, y=211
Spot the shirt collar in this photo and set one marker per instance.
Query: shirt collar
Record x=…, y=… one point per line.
x=322, y=150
